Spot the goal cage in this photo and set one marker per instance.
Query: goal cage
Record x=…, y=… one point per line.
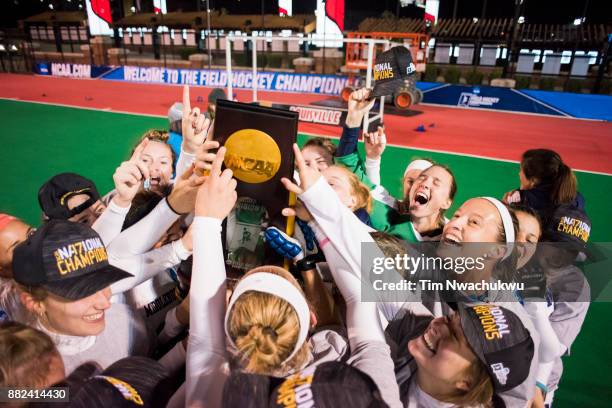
x=368, y=44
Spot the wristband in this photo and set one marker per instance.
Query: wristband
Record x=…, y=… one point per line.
x=542, y=388
x=309, y=262
x=170, y=206
x=324, y=242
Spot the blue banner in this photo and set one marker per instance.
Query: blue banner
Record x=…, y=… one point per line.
x=241, y=79
x=70, y=70
x=577, y=105
x=42, y=68
x=488, y=97
x=426, y=86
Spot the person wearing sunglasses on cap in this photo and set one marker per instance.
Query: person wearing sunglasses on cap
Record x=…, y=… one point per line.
x=133, y=249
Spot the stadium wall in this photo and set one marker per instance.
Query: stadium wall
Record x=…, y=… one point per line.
x=597, y=107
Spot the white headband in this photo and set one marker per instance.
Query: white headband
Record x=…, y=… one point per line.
x=506, y=222
x=276, y=285
x=419, y=164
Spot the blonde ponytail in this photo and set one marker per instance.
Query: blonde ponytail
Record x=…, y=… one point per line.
x=265, y=329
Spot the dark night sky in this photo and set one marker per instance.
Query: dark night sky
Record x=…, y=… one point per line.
x=550, y=11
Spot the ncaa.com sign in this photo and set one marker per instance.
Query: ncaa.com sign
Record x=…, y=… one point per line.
x=71, y=70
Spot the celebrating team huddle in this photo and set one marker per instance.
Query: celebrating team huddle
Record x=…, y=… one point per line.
x=178, y=289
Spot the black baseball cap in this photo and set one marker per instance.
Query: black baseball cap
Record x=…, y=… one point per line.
x=54, y=194
x=66, y=258
x=569, y=225
x=332, y=384
x=391, y=69
x=501, y=342
x=129, y=382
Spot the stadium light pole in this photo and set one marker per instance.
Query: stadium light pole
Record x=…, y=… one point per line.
x=476, y=56
x=262, y=15
x=578, y=31
x=512, y=37
x=208, y=36
x=603, y=63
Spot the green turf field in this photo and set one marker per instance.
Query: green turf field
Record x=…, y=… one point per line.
x=42, y=140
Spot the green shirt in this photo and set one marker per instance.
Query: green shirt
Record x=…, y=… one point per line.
x=383, y=217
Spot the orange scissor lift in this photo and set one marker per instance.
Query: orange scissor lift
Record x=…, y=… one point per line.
x=357, y=61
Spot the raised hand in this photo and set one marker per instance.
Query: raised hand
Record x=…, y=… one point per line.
x=194, y=125
x=217, y=196
x=358, y=106
x=183, y=195
x=375, y=143
x=204, y=158
x=308, y=175
x=298, y=210
x=513, y=196
x=129, y=175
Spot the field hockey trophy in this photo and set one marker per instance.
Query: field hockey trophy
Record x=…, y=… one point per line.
x=259, y=152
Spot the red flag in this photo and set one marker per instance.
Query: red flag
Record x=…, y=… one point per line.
x=334, y=9
x=101, y=8
x=157, y=6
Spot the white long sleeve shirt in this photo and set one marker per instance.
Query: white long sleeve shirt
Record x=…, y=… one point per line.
x=550, y=347
x=347, y=233
x=143, y=235
x=185, y=160
x=145, y=266
x=207, y=368
x=151, y=292
x=109, y=223
x=369, y=351
x=207, y=359
x=372, y=167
